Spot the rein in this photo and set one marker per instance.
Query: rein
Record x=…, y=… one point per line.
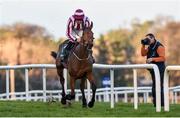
x=80, y=59
x=83, y=43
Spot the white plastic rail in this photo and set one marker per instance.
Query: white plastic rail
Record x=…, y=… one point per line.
x=134, y=67
x=166, y=84
x=102, y=66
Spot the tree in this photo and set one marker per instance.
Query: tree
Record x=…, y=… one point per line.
x=102, y=52
x=24, y=31
x=114, y=48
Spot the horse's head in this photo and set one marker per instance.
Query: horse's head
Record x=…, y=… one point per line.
x=88, y=36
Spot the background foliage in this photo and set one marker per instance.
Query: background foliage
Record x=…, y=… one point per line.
x=24, y=43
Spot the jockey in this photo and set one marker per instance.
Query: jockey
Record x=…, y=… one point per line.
x=76, y=24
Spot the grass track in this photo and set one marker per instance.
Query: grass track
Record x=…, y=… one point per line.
x=22, y=108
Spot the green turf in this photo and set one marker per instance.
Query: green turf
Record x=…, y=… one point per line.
x=22, y=108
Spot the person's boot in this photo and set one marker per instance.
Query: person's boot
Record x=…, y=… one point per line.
x=69, y=47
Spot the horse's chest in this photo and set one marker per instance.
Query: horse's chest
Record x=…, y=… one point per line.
x=80, y=71
x=84, y=69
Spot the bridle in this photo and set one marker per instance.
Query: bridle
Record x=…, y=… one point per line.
x=86, y=43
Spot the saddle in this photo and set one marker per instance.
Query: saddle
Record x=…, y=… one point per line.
x=68, y=51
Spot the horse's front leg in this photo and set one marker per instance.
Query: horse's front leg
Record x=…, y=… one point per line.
x=72, y=85
x=93, y=86
x=82, y=86
x=71, y=96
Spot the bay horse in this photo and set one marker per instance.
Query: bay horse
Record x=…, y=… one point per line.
x=79, y=65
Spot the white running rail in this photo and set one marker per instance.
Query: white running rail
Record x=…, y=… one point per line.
x=166, y=84
x=134, y=67
x=101, y=66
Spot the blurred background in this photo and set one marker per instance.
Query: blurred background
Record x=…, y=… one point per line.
x=30, y=29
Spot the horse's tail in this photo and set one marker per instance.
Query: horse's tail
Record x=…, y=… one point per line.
x=53, y=54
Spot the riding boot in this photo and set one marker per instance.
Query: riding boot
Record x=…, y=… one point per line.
x=63, y=54
x=65, y=51
x=70, y=45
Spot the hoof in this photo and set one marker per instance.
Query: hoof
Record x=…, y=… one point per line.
x=63, y=101
x=72, y=97
x=91, y=104
x=68, y=97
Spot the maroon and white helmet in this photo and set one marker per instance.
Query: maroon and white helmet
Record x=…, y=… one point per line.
x=78, y=14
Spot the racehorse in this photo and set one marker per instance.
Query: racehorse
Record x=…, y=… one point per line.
x=79, y=65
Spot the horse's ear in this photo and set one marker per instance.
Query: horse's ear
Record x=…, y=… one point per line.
x=91, y=26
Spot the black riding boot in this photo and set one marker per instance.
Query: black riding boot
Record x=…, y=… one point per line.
x=65, y=50
x=70, y=45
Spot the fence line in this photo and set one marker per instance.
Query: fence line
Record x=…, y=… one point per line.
x=134, y=67
x=101, y=95
x=100, y=66
x=37, y=94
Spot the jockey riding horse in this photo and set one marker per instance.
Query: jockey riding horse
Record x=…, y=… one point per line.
x=80, y=61
x=75, y=26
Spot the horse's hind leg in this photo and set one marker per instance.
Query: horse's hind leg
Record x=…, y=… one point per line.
x=60, y=73
x=93, y=86
x=72, y=85
x=82, y=86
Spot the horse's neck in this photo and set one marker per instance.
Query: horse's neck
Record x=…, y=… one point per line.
x=81, y=51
